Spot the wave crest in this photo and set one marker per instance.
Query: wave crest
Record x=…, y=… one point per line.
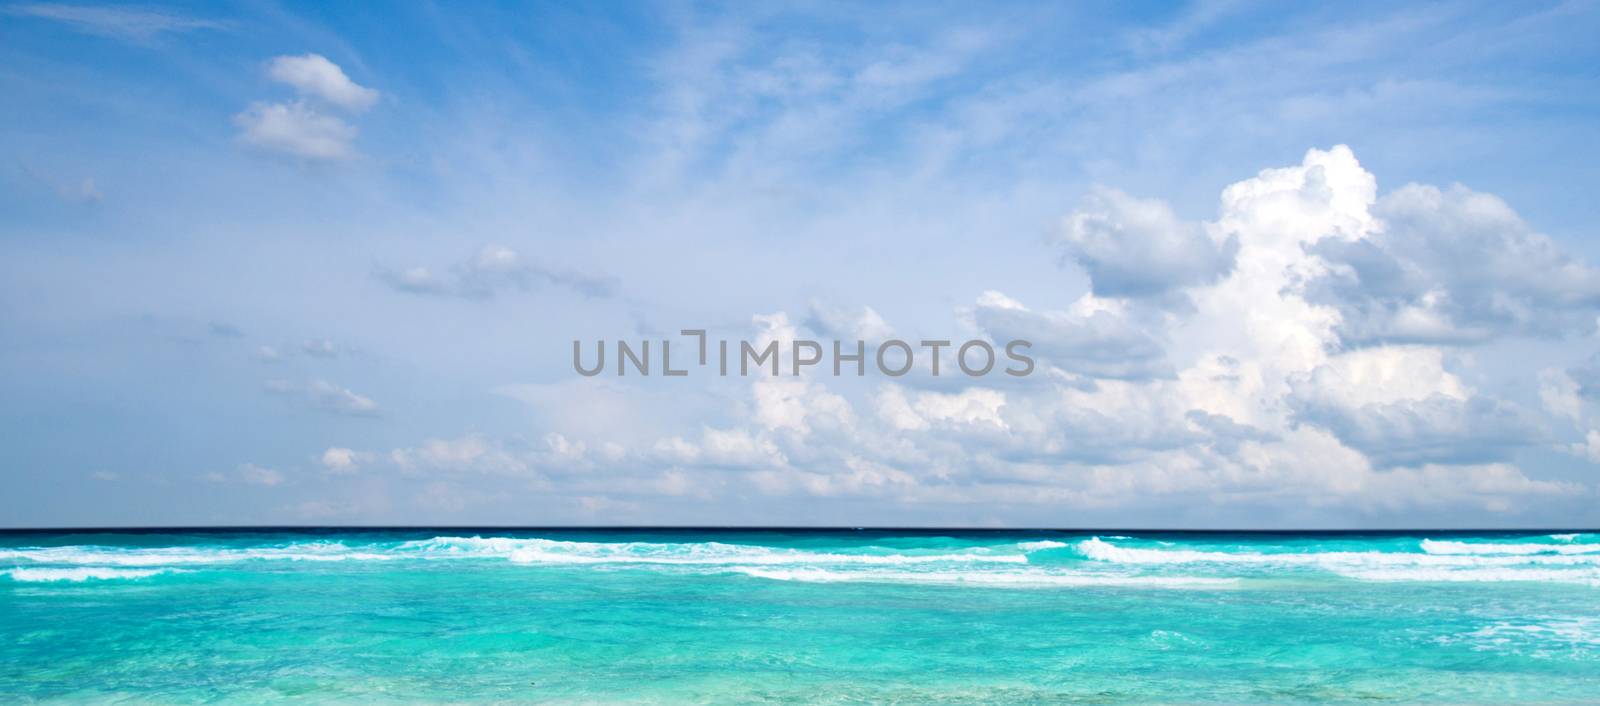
x=79, y=574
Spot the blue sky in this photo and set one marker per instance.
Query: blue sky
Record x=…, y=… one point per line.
x=1286, y=266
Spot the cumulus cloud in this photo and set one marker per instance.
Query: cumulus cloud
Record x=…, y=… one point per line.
x=1587, y=449
x=1561, y=394
x=1134, y=247
x=313, y=75
x=493, y=269
x=863, y=324
x=1437, y=429
x=1582, y=379
x=1254, y=393
x=1095, y=337
x=339, y=460
x=301, y=127
x=296, y=128
x=1453, y=266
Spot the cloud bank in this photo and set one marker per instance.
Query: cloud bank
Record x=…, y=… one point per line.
x=1302, y=349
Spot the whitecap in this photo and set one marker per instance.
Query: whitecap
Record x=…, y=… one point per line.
x=1476, y=575
x=1341, y=561
x=79, y=574
x=998, y=579
x=1433, y=546
x=1041, y=545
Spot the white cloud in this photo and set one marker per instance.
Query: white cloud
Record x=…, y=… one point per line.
x=300, y=127
x=332, y=397
x=1399, y=406
x=1095, y=337
x=1235, y=388
x=1560, y=394
x=1493, y=487
x=297, y=129
x=1588, y=449
x=492, y=269
x=864, y=324
x=326, y=396
x=312, y=75
x=1137, y=247
x=1454, y=265
x=974, y=406
x=257, y=475
x=472, y=453
x=339, y=460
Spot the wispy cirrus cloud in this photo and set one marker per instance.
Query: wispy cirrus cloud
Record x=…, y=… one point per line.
x=139, y=26
x=493, y=269
x=326, y=396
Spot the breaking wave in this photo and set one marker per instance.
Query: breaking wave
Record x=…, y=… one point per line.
x=1093, y=561
x=548, y=551
x=79, y=574
x=1031, y=579
x=1439, y=561
x=1450, y=547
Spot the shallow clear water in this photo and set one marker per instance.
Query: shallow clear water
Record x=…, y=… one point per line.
x=798, y=617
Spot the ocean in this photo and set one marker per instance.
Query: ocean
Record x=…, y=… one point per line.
x=331, y=616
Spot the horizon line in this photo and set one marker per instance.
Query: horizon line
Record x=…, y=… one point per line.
x=148, y=529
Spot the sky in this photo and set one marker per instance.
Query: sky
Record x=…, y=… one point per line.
x=1282, y=265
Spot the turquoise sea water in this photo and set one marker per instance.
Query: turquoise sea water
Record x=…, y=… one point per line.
x=682, y=616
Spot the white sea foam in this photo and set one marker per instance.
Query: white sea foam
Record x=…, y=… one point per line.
x=1567, y=631
x=1041, y=545
x=519, y=550
x=544, y=551
x=1477, y=575
x=1451, y=547
x=1572, y=567
x=999, y=579
x=79, y=574
x=1101, y=550
x=1443, y=560
x=169, y=556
